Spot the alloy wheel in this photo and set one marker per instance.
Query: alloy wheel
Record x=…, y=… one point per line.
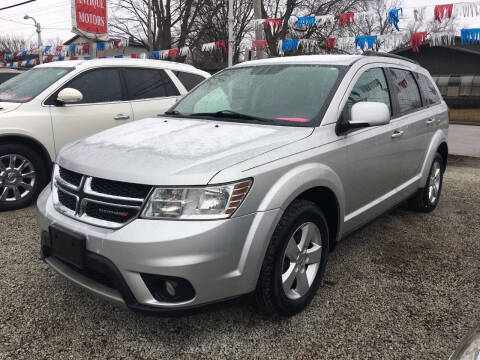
x=434, y=183
x=17, y=177
x=301, y=260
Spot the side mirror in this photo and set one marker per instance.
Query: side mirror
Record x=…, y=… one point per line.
x=370, y=113
x=69, y=96
x=365, y=114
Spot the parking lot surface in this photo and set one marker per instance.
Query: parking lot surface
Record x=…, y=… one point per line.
x=407, y=286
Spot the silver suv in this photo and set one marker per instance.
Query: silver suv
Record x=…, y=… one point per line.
x=245, y=184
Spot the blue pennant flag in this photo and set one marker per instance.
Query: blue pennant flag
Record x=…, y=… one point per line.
x=470, y=36
x=72, y=49
x=290, y=45
x=47, y=48
x=87, y=58
x=118, y=56
x=365, y=41
x=61, y=58
x=100, y=46
x=154, y=54
x=393, y=17
x=23, y=53
x=28, y=63
x=306, y=21
x=8, y=56
x=11, y=64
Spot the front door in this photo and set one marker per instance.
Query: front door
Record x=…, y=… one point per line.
x=104, y=105
x=373, y=154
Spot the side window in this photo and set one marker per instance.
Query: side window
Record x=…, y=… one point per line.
x=149, y=84
x=188, y=80
x=98, y=86
x=428, y=89
x=406, y=90
x=371, y=86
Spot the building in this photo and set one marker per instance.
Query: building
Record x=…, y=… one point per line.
x=454, y=68
x=132, y=48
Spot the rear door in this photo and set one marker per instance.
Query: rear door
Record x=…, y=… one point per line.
x=150, y=90
x=104, y=105
x=415, y=119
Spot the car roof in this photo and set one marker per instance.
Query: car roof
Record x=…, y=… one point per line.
x=342, y=60
x=124, y=62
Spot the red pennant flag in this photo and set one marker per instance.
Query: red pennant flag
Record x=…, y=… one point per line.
x=86, y=47
x=443, y=11
x=37, y=61
x=418, y=38
x=134, y=56
x=220, y=44
x=273, y=24
x=173, y=52
x=117, y=43
x=347, y=19
x=331, y=44
x=259, y=45
x=49, y=58
x=59, y=48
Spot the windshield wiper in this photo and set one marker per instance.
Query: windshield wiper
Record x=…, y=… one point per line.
x=229, y=114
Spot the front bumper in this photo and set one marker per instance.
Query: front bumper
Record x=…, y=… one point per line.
x=221, y=259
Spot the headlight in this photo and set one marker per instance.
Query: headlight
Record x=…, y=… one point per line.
x=211, y=202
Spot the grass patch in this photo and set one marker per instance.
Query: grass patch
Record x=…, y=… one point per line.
x=465, y=116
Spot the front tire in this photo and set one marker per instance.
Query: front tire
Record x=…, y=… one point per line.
x=295, y=261
x=427, y=198
x=22, y=176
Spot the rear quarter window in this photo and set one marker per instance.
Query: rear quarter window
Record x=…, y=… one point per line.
x=188, y=80
x=429, y=91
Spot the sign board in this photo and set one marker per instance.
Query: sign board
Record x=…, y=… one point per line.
x=90, y=19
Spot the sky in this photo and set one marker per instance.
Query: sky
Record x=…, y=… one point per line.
x=54, y=17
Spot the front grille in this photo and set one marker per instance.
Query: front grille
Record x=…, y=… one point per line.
x=67, y=200
x=98, y=201
x=118, y=188
x=70, y=177
x=117, y=214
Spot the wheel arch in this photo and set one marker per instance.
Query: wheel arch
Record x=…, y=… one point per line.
x=31, y=143
x=314, y=182
x=443, y=151
x=437, y=144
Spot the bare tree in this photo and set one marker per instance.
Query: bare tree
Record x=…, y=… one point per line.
x=11, y=44
x=212, y=25
x=172, y=21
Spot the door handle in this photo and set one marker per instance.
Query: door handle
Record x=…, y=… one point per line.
x=121, y=117
x=430, y=121
x=396, y=134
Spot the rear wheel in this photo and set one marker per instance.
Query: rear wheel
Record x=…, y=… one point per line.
x=22, y=176
x=295, y=260
x=427, y=198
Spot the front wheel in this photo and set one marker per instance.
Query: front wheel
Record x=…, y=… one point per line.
x=22, y=176
x=295, y=261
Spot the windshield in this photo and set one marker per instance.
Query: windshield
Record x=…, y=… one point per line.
x=26, y=86
x=292, y=95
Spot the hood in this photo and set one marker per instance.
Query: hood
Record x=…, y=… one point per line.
x=8, y=106
x=173, y=151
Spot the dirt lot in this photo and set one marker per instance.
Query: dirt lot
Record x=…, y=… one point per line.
x=465, y=116
x=405, y=287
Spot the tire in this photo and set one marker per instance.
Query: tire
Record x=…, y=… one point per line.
x=273, y=295
x=426, y=199
x=21, y=169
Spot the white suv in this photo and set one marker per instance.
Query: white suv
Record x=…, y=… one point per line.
x=56, y=103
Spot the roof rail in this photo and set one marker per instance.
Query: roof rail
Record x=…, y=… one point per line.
x=388, y=55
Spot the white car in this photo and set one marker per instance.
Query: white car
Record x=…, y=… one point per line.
x=53, y=104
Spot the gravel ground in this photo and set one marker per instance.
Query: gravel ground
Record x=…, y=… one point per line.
x=405, y=287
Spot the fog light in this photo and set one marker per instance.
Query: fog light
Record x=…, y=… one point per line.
x=170, y=287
